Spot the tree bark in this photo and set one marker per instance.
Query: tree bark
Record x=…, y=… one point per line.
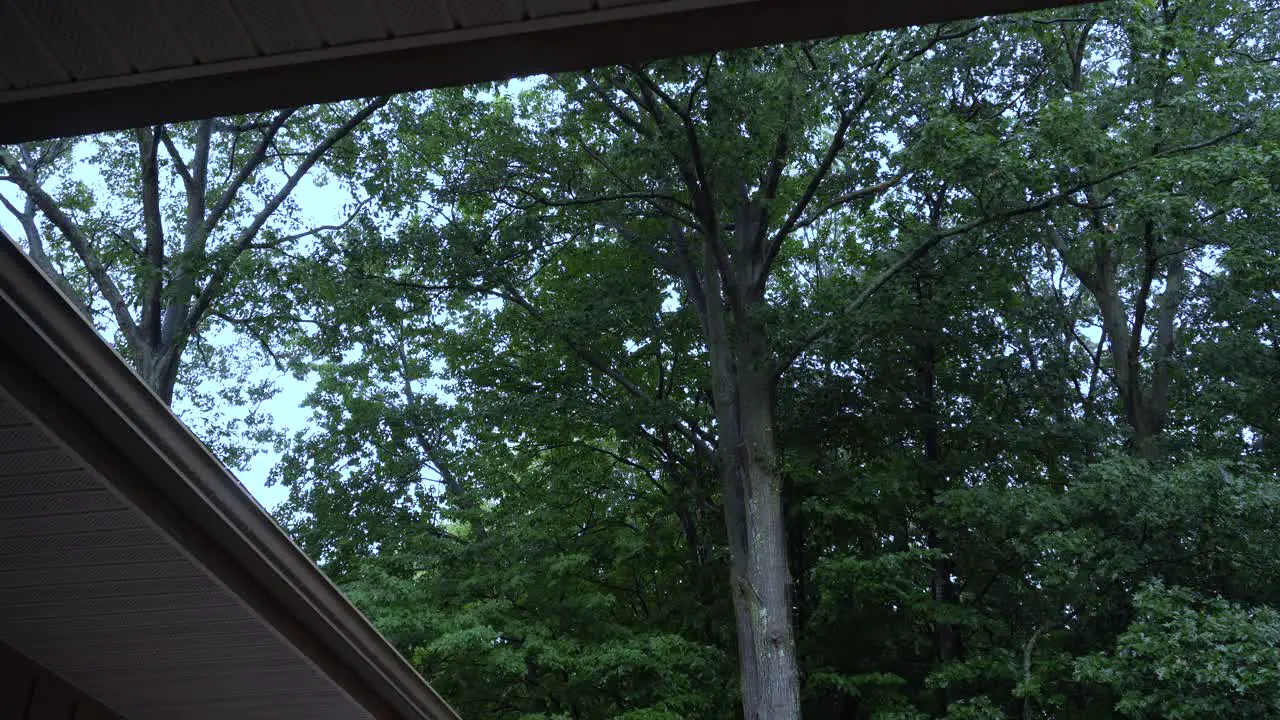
x=1145, y=400
x=760, y=576
x=742, y=385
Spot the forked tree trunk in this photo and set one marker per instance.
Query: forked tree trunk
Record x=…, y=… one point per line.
x=1144, y=396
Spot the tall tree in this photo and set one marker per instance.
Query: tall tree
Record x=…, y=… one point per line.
x=177, y=216
x=833, y=294
x=1190, y=96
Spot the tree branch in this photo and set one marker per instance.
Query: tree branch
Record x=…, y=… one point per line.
x=929, y=243
x=152, y=284
x=178, y=162
x=247, y=235
x=246, y=171
x=79, y=243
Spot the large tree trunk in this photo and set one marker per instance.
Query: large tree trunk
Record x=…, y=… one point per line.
x=759, y=574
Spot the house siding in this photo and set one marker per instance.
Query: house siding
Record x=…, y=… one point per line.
x=29, y=692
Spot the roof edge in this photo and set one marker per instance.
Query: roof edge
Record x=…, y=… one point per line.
x=463, y=57
x=151, y=459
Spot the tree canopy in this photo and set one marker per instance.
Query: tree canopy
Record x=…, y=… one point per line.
x=927, y=373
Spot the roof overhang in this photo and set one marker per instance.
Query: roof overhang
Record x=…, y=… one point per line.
x=69, y=67
x=136, y=567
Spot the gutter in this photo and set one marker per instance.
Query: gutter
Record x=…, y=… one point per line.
x=53, y=361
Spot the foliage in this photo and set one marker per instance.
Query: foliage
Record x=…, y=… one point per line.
x=973, y=326
x=1190, y=656
x=1014, y=283
x=170, y=240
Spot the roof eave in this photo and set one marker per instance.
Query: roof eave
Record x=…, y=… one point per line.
x=379, y=68
x=55, y=363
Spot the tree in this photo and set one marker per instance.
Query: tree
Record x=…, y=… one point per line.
x=1134, y=242
x=185, y=222
x=811, y=322
x=1189, y=656
x=711, y=214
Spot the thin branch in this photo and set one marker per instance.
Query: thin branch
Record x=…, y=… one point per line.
x=849, y=197
x=616, y=109
x=599, y=199
x=617, y=457
x=701, y=188
x=932, y=241
x=248, y=326
x=246, y=171
x=286, y=239
x=9, y=206
x=819, y=175
x=79, y=243
x=246, y=236
x=178, y=162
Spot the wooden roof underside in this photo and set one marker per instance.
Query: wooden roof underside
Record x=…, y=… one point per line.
x=70, y=67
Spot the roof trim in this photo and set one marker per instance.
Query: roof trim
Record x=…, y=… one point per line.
x=461, y=36
x=55, y=363
x=557, y=44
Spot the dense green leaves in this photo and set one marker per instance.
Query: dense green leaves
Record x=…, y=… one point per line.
x=1016, y=283
x=989, y=309
x=1190, y=656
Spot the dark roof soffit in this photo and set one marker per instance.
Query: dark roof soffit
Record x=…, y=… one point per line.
x=80, y=386
x=539, y=48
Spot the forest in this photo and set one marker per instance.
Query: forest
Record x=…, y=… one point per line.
x=928, y=373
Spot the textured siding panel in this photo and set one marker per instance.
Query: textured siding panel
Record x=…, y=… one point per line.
x=76, y=42
x=89, y=588
x=57, y=44
x=29, y=692
x=140, y=33
x=23, y=436
x=209, y=29
x=52, y=483
x=276, y=27
x=546, y=8
x=476, y=13
x=47, y=525
x=416, y=17
x=21, y=462
x=27, y=61
x=42, y=577
x=10, y=415
x=343, y=22
x=32, y=506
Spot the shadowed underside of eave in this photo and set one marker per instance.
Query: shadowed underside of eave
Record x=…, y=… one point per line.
x=133, y=564
x=90, y=589
x=69, y=67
